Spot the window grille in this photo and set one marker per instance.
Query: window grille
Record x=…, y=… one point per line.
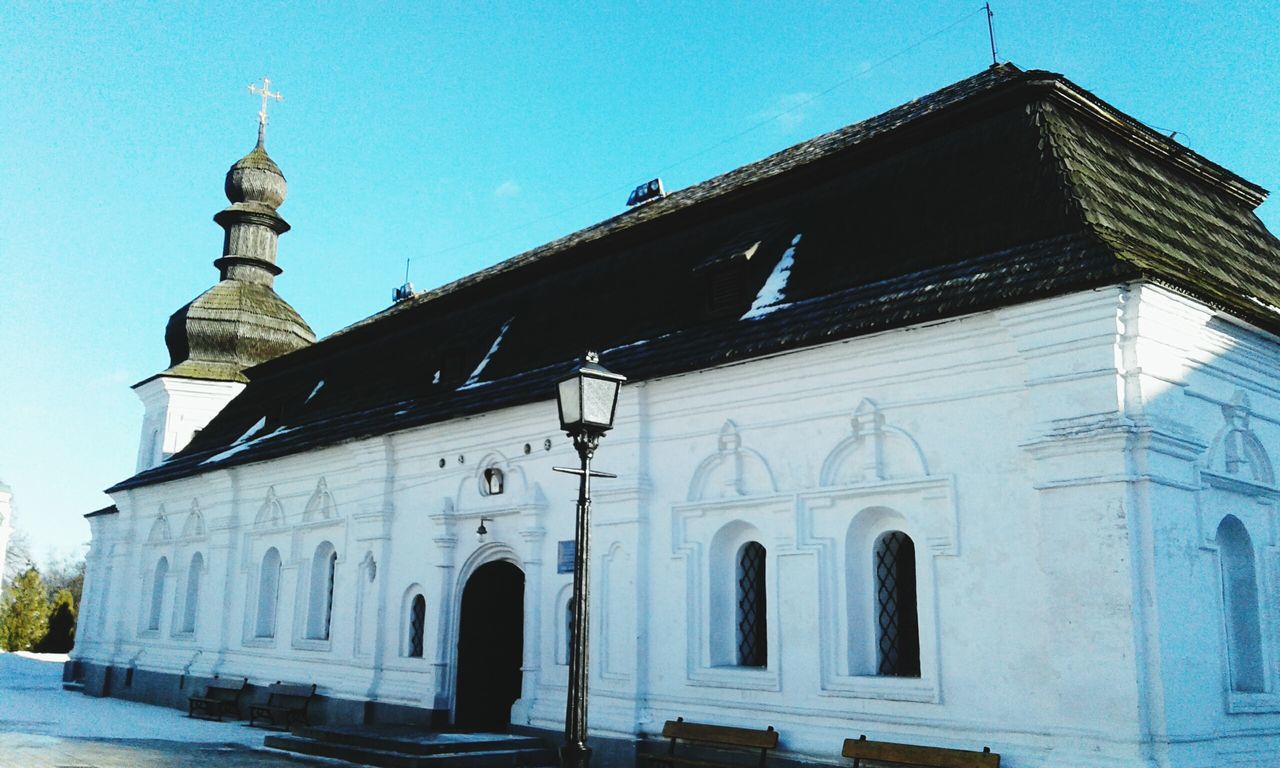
x=1240, y=606
x=268, y=594
x=753, y=644
x=896, y=618
x=157, y=592
x=192, y=602
x=417, y=623
x=324, y=566
x=328, y=603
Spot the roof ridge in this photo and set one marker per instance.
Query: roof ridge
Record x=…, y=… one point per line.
x=952, y=93
x=1166, y=221
x=1028, y=188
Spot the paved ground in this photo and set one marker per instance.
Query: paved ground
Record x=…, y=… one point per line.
x=18, y=750
x=43, y=726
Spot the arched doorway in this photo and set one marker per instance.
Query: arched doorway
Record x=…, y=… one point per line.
x=490, y=647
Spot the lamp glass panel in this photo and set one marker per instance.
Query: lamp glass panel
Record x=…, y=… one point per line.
x=570, y=404
x=597, y=400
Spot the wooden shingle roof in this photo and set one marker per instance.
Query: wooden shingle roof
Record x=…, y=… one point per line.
x=1005, y=187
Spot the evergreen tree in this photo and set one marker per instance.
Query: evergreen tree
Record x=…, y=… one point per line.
x=24, y=618
x=64, y=573
x=62, y=625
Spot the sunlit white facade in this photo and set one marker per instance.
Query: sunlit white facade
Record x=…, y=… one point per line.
x=1086, y=484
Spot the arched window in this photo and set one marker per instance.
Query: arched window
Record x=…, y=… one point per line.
x=1240, y=606
x=417, y=625
x=192, y=601
x=897, y=621
x=324, y=566
x=752, y=625
x=157, y=592
x=154, y=452
x=268, y=594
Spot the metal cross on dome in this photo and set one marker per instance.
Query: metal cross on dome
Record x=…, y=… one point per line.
x=266, y=93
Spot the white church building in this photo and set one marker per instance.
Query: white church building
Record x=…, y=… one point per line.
x=956, y=426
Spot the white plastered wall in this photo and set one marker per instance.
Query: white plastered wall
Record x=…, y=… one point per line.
x=175, y=408
x=1044, y=458
x=1208, y=431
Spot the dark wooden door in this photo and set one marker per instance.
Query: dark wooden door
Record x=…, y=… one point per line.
x=490, y=647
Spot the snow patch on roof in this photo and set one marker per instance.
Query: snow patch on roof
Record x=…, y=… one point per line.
x=319, y=384
x=474, y=378
x=242, y=445
x=1265, y=305
x=634, y=344
x=255, y=429
x=771, y=293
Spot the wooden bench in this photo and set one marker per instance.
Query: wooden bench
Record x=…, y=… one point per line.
x=286, y=706
x=718, y=737
x=220, y=697
x=924, y=757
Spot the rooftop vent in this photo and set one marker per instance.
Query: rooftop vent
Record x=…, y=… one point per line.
x=650, y=190
x=403, y=292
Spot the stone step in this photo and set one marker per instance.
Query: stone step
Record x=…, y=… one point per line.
x=522, y=757
x=414, y=740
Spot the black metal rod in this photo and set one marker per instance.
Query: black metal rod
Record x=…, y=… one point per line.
x=594, y=473
x=575, y=753
x=991, y=32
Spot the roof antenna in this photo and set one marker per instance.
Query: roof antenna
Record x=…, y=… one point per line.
x=991, y=33
x=405, y=291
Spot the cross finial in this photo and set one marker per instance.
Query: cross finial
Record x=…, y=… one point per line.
x=266, y=93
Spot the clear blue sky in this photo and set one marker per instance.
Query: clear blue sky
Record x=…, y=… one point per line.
x=457, y=135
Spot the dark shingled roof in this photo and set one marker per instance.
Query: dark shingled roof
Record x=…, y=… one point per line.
x=1002, y=188
x=111, y=510
x=230, y=327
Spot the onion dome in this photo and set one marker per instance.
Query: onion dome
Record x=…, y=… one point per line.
x=255, y=178
x=230, y=327
x=241, y=321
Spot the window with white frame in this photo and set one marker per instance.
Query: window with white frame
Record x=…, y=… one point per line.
x=324, y=566
x=191, y=603
x=738, y=623
x=157, y=592
x=888, y=612
x=268, y=594
x=1240, y=606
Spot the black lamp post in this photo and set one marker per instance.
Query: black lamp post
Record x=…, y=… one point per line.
x=587, y=402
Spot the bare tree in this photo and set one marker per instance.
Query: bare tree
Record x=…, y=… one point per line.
x=18, y=560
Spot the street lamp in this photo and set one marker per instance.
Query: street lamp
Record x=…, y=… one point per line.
x=587, y=400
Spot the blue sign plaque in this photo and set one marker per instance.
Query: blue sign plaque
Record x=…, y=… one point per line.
x=564, y=557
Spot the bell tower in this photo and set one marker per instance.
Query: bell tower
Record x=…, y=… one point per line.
x=238, y=323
